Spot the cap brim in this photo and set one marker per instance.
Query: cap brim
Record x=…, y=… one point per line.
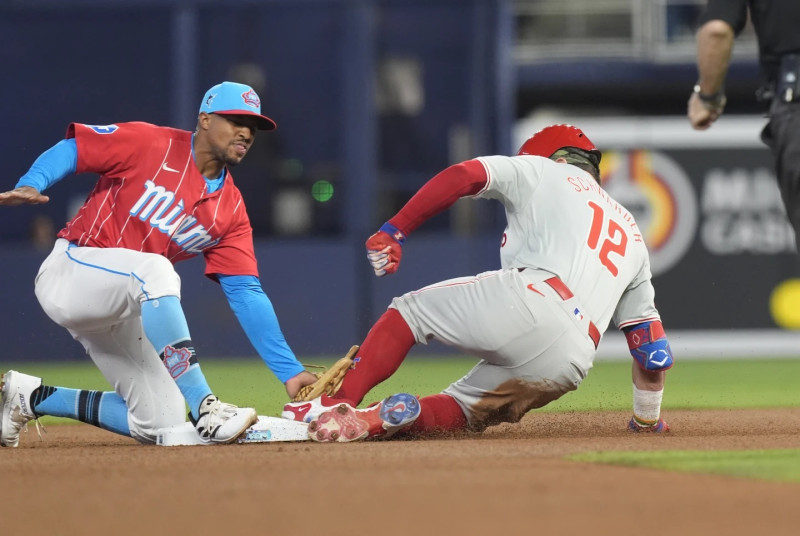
x=264, y=122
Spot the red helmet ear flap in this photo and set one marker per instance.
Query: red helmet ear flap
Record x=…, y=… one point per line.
x=550, y=139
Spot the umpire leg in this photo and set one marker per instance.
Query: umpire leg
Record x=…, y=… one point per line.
x=782, y=136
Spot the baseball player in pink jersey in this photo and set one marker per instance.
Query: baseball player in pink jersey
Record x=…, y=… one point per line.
x=164, y=195
x=572, y=259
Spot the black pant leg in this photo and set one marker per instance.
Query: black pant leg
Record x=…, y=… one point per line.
x=782, y=135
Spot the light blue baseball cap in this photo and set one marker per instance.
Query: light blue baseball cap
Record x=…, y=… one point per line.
x=231, y=98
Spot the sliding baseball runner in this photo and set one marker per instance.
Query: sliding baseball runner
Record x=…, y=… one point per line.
x=572, y=262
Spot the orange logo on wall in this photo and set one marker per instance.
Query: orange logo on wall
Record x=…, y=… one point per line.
x=659, y=194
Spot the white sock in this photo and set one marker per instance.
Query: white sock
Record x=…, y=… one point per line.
x=647, y=406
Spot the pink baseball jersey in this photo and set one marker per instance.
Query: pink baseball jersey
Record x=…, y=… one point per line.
x=562, y=221
x=152, y=198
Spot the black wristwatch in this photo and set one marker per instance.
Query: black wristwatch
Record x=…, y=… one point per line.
x=713, y=101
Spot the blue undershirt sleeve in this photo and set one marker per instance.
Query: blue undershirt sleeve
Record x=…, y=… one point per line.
x=52, y=165
x=259, y=322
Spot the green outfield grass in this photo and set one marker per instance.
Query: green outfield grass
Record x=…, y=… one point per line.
x=690, y=385
x=698, y=384
x=781, y=465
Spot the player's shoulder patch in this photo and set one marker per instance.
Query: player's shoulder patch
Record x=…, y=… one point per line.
x=103, y=129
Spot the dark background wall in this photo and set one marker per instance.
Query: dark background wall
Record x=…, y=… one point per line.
x=374, y=97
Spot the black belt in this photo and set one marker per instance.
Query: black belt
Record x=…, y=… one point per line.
x=565, y=293
x=785, y=86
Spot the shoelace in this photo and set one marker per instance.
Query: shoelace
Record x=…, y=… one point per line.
x=215, y=413
x=39, y=428
x=16, y=416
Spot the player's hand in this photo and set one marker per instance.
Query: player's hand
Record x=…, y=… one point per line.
x=294, y=383
x=24, y=195
x=700, y=114
x=384, y=253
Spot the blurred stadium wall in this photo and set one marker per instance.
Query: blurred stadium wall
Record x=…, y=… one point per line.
x=373, y=97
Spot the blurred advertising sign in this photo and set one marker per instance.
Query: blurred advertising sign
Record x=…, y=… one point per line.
x=723, y=254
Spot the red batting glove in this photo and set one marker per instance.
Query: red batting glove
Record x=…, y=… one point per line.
x=384, y=253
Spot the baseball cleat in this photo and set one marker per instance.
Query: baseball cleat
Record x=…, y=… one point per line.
x=660, y=426
x=308, y=411
x=17, y=407
x=219, y=422
x=344, y=423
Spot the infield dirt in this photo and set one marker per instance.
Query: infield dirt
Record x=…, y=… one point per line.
x=510, y=480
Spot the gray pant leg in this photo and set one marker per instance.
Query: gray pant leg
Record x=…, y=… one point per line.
x=131, y=365
x=532, y=348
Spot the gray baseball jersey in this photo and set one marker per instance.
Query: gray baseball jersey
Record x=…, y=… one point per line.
x=573, y=260
x=560, y=220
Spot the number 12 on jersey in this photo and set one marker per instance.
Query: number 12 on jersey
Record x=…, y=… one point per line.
x=614, y=239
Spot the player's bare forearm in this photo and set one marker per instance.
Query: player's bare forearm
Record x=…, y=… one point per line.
x=714, y=49
x=647, y=380
x=24, y=195
x=294, y=383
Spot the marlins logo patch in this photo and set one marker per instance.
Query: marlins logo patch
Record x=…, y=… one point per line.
x=251, y=99
x=177, y=360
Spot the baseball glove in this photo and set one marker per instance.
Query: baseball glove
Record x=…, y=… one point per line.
x=329, y=381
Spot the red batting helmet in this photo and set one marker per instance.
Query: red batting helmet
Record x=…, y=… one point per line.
x=550, y=139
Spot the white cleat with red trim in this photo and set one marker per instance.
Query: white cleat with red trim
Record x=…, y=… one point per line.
x=307, y=411
x=344, y=423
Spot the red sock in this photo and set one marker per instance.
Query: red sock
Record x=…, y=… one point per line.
x=439, y=413
x=380, y=355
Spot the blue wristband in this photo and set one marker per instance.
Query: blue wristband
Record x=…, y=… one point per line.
x=398, y=235
x=648, y=345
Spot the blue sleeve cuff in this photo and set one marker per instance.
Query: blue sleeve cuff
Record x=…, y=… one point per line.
x=257, y=317
x=52, y=165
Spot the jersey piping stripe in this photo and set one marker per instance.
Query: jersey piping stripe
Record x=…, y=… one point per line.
x=177, y=189
x=109, y=270
x=177, y=192
x=236, y=208
x=185, y=166
x=194, y=209
x=84, y=239
x=122, y=231
x=185, y=169
x=77, y=218
x=81, y=240
x=113, y=205
x=164, y=161
x=454, y=284
x=144, y=240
